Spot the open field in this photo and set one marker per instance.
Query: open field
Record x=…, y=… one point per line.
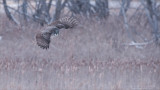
x=93, y=56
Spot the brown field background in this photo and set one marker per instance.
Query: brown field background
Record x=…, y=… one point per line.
x=90, y=57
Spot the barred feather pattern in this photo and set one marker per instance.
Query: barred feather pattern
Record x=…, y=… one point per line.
x=68, y=22
x=41, y=41
x=43, y=37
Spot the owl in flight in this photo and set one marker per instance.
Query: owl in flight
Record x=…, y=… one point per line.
x=43, y=37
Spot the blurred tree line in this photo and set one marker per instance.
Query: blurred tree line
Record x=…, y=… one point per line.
x=42, y=10
x=46, y=11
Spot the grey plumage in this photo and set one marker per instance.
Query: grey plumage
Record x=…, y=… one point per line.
x=43, y=37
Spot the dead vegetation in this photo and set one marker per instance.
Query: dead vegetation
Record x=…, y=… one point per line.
x=97, y=55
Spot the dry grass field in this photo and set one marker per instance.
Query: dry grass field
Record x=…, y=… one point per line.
x=93, y=56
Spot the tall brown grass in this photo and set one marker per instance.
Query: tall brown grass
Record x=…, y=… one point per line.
x=93, y=56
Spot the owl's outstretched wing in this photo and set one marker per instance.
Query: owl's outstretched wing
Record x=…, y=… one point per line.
x=65, y=22
x=43, y=37
x=43, y=42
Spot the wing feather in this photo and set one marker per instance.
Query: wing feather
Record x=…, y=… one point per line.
x=43, y=37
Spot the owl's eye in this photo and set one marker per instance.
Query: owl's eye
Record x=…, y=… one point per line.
x=56, y=32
